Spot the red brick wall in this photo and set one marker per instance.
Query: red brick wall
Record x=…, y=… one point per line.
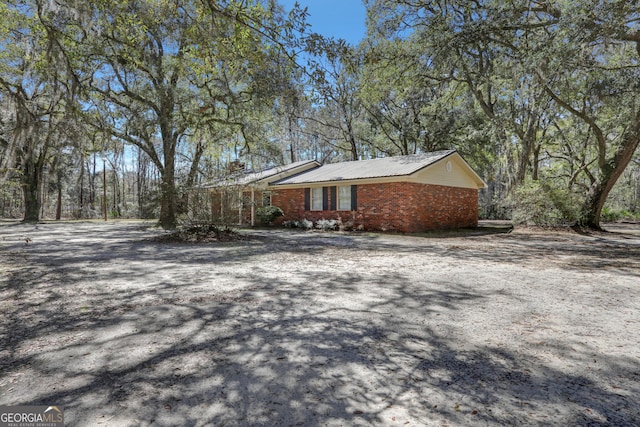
x=292, y=204
x=398, y=206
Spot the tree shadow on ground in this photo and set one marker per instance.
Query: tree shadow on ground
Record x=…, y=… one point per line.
x=315, y=348
x=614, y=251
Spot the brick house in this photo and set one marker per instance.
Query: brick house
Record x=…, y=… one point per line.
x=235, y=199
x=414, y=193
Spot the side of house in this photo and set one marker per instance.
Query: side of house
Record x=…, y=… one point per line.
x=406, y=193
x=401, y=206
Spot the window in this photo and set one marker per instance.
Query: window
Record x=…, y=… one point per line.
x=344, y=198
x=332, y=198
x=316, y=199
x=266, y=198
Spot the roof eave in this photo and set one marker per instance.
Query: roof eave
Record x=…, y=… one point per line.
x=267, y=179
x=398, y=175
x=350, y=181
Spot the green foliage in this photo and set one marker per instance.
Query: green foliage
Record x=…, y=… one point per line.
x=570, y=107
x=523, y=93
x=538, y=203
x=610, y=215
x=167, y=76
x=267, y=214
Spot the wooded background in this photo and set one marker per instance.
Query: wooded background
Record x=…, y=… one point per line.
x=141, y=101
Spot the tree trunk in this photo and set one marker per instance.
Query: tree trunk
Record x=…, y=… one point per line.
x=115, y=184
x=536, y=162
x=168, y=202
x=610, y=172
x=528, y=144
x=81, y=192
x=523, y=163
x=290, y=130
x=354, y=147
x=92, y=184
x=191, y=178
x=31, y=186
x=59, y=201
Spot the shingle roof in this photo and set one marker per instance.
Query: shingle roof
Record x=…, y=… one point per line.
x=254, y=177
x=362, y=169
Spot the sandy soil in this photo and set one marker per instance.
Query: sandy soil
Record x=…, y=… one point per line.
x=321, y=329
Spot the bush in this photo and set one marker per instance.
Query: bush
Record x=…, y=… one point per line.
x=267, y=214
x=326, y=224
x=304, y=224
x=610, y=215
x=537, y=203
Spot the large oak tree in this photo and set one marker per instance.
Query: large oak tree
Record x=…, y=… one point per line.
x=155, y=72
x=38, y=99
x=535, y=67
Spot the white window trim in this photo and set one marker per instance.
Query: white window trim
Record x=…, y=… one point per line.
x=344, y=204
x=316, y=202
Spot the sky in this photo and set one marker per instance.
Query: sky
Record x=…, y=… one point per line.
x=338, y=18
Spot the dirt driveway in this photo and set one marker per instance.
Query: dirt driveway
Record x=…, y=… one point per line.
x=314, y=329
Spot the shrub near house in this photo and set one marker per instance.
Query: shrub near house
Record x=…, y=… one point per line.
x=267, y=214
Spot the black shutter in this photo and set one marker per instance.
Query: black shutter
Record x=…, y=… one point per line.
x=332, y=201
x=325, y=198
x=354, y=197
x=307, y=199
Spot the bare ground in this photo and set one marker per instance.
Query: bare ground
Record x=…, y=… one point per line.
x=314, y=329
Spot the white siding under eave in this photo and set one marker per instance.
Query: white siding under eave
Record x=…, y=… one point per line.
x=454, y=176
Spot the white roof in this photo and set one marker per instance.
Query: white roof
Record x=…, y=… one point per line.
x=364, y=169
x=246, y=179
